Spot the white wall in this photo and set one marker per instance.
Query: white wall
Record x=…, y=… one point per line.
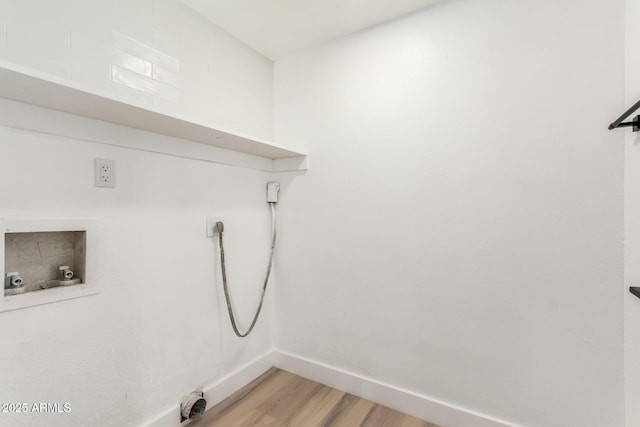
x=632, y=225
x=460, y=231
x=159, y=327
x=150, y=52
x=459, y=234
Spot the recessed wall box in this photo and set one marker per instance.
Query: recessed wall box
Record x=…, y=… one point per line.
x=47, y=260
x=37, y=261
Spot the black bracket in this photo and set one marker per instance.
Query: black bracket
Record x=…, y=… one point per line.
x=635, y=123
x=635, y=290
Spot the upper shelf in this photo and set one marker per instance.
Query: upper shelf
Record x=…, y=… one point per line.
x=24, y=85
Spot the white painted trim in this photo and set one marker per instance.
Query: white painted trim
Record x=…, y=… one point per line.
x=420, y=406
x=442, y=413
x=219, y=389
x=299, y=163
x=30, y=86
x=20, y=117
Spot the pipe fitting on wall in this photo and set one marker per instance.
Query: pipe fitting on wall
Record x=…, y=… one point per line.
x=66, y=272
x=14, y=280
x=192, y=406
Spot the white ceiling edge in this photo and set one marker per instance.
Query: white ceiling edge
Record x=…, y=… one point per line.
x=276, y=28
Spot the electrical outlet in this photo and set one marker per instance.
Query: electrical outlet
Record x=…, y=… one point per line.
x=272, y=192
x=211, y=223
x=105, y=173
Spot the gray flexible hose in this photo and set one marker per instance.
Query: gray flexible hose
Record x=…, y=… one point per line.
x=220, y=230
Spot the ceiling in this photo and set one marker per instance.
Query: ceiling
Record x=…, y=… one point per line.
x=278, y=27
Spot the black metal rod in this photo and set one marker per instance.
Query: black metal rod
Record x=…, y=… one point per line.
x=627, y=124
x=624, y=116
x=635, y=290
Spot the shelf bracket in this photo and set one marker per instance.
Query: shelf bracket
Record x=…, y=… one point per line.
x=618, y=123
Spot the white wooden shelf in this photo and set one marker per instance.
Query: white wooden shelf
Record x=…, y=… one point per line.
x=25, y=85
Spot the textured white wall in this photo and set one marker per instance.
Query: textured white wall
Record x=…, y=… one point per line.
x=459, y=234
x=460, y=231
x=632, y=224
x=159, y=328
x=151, y=52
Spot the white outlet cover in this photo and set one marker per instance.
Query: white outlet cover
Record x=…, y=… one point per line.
x=105, y=173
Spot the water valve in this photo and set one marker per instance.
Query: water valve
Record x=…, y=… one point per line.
x=15, y=281
x=66, y=272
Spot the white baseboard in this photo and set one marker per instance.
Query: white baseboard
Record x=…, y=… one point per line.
x=423, y=407
x=220, y=389
x=420, y=406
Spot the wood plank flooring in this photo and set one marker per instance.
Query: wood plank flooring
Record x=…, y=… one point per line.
x=279, y=398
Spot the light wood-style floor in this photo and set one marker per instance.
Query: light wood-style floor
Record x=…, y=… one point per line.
x=279, y=398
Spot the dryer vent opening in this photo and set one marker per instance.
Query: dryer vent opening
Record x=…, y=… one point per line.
x=192, y=406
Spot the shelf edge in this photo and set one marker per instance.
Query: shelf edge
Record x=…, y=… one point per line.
x=20, y=84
